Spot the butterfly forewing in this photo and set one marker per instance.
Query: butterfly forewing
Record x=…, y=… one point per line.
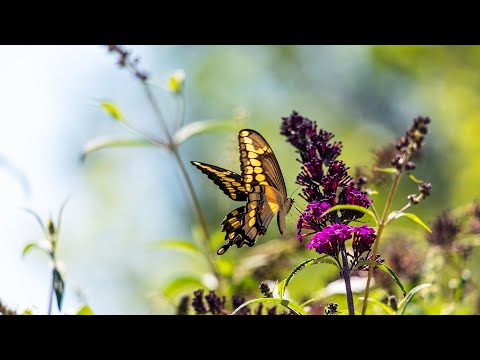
x=258, y=162
x=228, y=181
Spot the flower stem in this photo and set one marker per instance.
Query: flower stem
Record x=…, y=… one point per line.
x=381, y=226
x=50, y=299
x=196, y=204
x=346, y=277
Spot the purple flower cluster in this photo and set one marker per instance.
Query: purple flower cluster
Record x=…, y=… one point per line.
x=325, y=183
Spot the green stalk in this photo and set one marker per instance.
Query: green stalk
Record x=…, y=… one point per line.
x=381, y=226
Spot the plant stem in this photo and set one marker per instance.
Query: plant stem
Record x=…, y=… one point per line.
x=50, y=300
x=346, y=277
x=381, y=226
x=196, y=204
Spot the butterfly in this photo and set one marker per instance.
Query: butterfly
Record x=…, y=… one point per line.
x=260, y=184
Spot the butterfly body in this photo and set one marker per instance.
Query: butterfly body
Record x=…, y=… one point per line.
x=260, y=184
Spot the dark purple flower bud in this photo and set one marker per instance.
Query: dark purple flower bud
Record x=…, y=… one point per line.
x=236, y=302
x=410, y=165
x=425, y=189
x=216, y=304
x=197, y=302
x=182, y=308
x=363, y=239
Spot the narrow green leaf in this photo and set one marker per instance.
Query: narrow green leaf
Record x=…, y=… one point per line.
x=58, y=286
x=113, y=110
x=108, y=142
x=36, y=216
x=29, y=247
x=412, y=217
x=181, y=284
x=199, y=127
x=386, y=170
x=281, y=288
x=414, y=179
x=403, y=304
x=85, y=310
x=385, y=307
x=322, y=259
x=386, y=269
x=285, y=303
x=351, y=207
x=178, y=245
x=302, y=305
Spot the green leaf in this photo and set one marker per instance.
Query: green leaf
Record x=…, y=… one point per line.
x=29, y=247
x=414, y=179
x=113, y=110
x=58, y=286
x=410, y=216
x=181, y=284
x=302, y=305
x=37, y=217
x=108, y=142
x=288, y=304
x=386, y=170
x=200, y=127
x=385, y=307
x=403, y=304
x=85, y=310
x=325, y=259
x=281, y=288
x=178, y=245
x=386, y=269
x=351, y=207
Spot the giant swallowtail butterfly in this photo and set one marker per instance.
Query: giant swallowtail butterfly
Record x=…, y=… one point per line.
x=260, y=184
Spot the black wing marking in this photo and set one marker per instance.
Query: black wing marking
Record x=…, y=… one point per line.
x=229, y=182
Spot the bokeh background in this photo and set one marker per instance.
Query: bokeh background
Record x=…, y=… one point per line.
x=124, y=201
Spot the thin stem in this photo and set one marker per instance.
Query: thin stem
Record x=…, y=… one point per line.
x=346, y=277
x=188, y=181
x=181, y=110
x=381, y=226
x=198, y=210
x=158, y=112
x=374, y=210
x=50, y=299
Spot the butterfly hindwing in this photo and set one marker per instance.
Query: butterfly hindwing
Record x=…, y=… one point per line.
x=228, y=181
x=243, y=225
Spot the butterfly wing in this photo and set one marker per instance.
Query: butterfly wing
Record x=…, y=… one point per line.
x=243, y=225
x=258, y=162
x=228, y=181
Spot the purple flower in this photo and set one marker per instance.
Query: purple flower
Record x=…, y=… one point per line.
x=311, y=218
x=363, y=239
x=331, y=240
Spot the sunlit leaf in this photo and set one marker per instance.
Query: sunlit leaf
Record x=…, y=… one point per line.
x=414, y=179
x=109, y=142
x=58, y=286
x=403, y=304
x=325, y=259
x=395, y=215
x=284, y=302
x=386, y=170
x=178, y=245
x=384, y=306
x=281, y=288
x=85, y=310
x=386, y=269
x=113, y=110
x=182, y=284
x=308, y=302
x=36, y=216
x=200, y=127
x=351, y=207
x=31, y=246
